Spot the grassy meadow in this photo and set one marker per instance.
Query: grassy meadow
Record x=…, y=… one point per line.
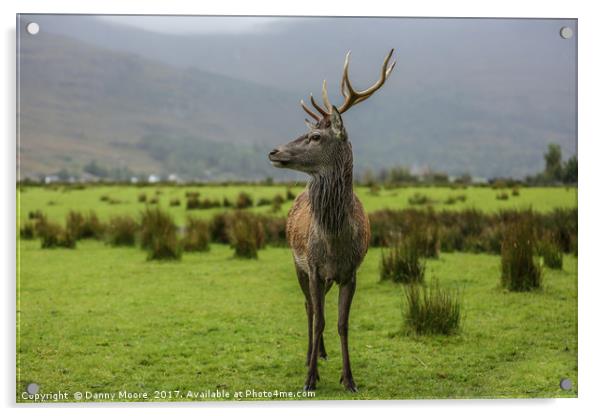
x=104, y=319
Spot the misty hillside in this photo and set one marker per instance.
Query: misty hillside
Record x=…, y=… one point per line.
x=211, y=106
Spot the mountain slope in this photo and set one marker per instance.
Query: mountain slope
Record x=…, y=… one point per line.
x=487, y=104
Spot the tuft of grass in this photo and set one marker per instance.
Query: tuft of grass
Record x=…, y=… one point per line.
x=197, y=235
x=551, y=253
x=27, y=230
x=52, y=235
x=141, y=197
x=192, y=200
x=262, y=202
x=431, y=310
x=35, y=215
x=174, y=202
x=502, y=196
x=84, y=226
x=419, y=199
x=402, y=262
x=158, y=235
x=516, y=191
x=290, y=196
x=520, y=271
x=244, y=200
x=121, y=231
x=246, y=234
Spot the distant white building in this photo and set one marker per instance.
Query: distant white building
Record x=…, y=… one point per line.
x=51, y=179
x=154, y=178
x=174, y=178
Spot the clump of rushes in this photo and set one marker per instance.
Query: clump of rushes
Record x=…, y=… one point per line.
x=277, y=202
x=27, y=230
x=419, y=199
x=142, y=198
x=246, y=234
x=290, y=196
x=244, y=200
x=158, y=235
x=174, y=202
x=401, y=263
x=262, y=202
x=520, y=271
x=551, y=253
x=84, y=226
x=197, y=235
x=52, y=235
x=431, y=310
x=515, y=191
x=502, y=196
x=193, y=201
x=121, y=231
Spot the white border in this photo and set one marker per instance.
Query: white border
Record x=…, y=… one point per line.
x=590, y=153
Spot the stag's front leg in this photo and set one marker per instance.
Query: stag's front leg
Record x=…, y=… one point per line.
x=316, y=290
x=346, y=292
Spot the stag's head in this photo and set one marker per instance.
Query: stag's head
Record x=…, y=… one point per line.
x=326, y=141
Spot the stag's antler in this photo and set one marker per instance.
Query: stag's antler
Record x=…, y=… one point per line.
x=352, y=97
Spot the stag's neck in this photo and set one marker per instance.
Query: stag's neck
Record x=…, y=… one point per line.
x=331, y=198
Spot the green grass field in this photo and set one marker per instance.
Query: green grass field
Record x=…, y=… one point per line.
x=104, y=319
x=56, y=202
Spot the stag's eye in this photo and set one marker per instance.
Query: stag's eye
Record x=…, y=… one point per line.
x=314, y=137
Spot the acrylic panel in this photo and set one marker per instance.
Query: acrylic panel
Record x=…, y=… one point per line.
x=188, y=230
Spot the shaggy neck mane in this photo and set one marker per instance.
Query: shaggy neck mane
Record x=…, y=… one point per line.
x=331, y=195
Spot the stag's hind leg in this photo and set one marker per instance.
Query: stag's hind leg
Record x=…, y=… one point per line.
x=346, y=292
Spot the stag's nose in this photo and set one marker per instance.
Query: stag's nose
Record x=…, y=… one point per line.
x=273, y=152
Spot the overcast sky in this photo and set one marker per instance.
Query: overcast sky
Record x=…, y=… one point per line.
x=185, y=25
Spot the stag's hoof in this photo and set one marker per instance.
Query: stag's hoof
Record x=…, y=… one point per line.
x=310, y=382
x=324, y=356
x=349, y=384
x=309, y=387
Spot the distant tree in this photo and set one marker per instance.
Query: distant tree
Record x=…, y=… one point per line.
x=94, y=169
x=63, y=175
x=553, y=162
x=436, y=177
x=570, y=170
x=368, y=178
x=464, y=179
x=399, y=175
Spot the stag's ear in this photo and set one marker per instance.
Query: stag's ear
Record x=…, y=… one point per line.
x=336, y=123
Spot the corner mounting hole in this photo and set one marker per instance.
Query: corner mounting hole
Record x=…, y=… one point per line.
x=566, y=32
x=33, y=388
x=33, y=28
x=566, y=384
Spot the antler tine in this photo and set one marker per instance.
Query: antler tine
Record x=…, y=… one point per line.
x=325, y=97
x=308, y=111
x=317, y=106
x=354, y=97
x=345, y=69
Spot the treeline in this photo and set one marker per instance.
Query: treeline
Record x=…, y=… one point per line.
x=556, y=172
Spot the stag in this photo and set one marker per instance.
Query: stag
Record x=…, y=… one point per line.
x=327, y=228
